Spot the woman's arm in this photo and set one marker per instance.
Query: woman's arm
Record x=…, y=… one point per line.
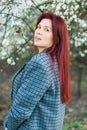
x=34, y=84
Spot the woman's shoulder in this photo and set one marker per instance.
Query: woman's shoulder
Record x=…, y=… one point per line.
x=41, y=58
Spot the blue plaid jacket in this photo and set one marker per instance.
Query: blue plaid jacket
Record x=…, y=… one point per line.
x=36, y=103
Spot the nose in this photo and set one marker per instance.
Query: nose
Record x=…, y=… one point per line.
x=39, y=31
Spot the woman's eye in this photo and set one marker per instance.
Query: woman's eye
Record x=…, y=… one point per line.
x=44, y=29
x=47, y=29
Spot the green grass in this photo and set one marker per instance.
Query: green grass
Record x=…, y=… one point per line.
x=73, y=125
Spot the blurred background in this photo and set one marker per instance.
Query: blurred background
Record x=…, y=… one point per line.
x=17, y=24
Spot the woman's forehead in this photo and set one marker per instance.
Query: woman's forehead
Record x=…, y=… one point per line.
x=46, y=23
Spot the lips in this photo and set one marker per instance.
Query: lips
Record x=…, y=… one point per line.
x=37, y=38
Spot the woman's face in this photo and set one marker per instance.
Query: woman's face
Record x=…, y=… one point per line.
x=43, y=36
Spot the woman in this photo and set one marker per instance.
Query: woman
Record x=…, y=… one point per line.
x=41, y=88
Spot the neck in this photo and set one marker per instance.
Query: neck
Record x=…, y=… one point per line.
x=41, y=49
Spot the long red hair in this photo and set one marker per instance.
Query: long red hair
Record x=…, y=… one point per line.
x=60, y=48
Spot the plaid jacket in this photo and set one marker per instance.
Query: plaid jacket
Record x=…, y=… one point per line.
x=36, y=103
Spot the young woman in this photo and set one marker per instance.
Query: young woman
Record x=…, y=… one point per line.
x=41, y=88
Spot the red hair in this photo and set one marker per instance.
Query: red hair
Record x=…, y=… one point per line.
x=60, y=48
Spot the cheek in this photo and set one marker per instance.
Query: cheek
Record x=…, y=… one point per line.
x=51, y=38
x=50, y=41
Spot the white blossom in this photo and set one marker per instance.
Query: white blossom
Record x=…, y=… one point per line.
x=10, y=61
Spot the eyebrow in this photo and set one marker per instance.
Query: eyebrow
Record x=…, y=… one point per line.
x=46, y=26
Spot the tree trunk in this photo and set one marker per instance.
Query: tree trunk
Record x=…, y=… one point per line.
x=80, y=72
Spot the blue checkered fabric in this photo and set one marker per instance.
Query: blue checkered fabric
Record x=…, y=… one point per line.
x=36, y=103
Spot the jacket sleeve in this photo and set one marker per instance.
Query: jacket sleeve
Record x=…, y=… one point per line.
x=34, y=84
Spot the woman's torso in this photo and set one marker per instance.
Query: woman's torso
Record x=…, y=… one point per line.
x=48, y=113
